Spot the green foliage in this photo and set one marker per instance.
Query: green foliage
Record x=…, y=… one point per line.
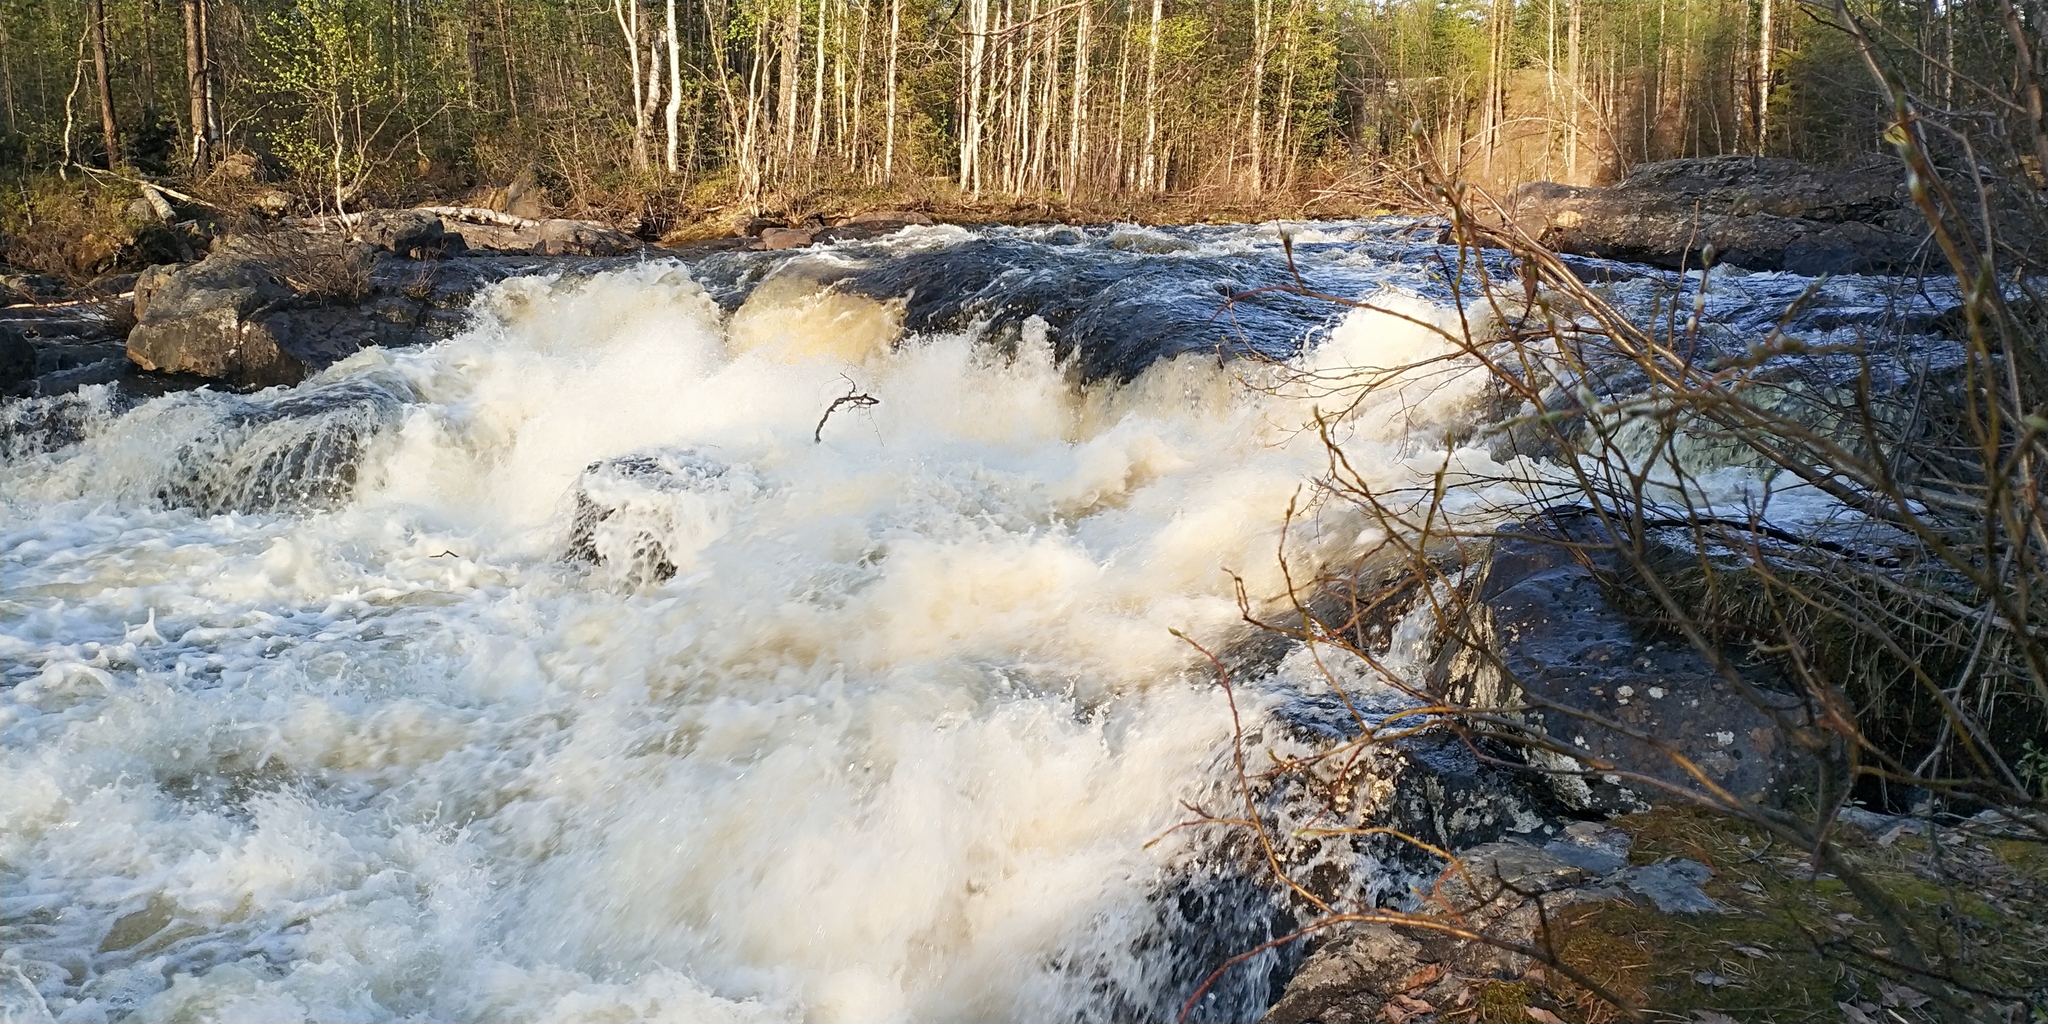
x=370, y=99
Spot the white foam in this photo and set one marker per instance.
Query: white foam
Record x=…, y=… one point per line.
x=888, y=746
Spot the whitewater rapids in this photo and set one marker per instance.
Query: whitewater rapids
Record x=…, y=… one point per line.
x=307, y=712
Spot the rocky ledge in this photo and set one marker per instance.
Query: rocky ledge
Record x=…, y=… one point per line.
x=1757, y=213
x=272, y=306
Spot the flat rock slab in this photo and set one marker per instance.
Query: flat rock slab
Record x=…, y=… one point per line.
x=1547, y=640
x=1752, y=212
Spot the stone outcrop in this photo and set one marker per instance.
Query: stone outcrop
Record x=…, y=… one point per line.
x=268, y=311
x=1757, y=213
x=1544, y=637
x=873, y=224
x=1381, y=972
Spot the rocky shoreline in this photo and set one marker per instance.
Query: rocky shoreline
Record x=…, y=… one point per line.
x=272, y=306
x=269, y=306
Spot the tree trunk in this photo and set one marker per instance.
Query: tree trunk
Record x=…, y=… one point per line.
x=818, y=88
x=1262, y=18
x=2029, y=82
x=1150, y=177
x=1571, y=85
x=1764, y=46
x=860, y=82
x=675, y=85
x=1283, y=139
x=195, y=89
x=889, y=143
x=974, y=48
x=628, y=14
x=1077, y=125
x=785, y=105
x=110, y=133
x=1127, y=176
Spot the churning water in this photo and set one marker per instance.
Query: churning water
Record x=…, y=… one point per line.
x=570, y=670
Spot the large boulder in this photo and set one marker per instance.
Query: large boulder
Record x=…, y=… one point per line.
x=561, y=237
x=1757, y=213
x=1546, y=642
x=271, y=310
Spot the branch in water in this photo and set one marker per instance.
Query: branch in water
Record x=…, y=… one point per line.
x=853, y=396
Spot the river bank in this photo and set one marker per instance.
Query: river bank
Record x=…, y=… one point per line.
x=459, y=415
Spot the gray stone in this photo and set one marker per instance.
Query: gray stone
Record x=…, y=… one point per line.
x=1754, y=212
x=1365, y=967
x=17, y=362
x=1674, y=886
x=1520, y=868
x=1546, y=643
x=785, y=238
x=1596, y=847
x=581, y=238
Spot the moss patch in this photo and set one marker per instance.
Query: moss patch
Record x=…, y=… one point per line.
x=1794, y=947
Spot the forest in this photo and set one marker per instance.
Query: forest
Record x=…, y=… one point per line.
x=649, y=110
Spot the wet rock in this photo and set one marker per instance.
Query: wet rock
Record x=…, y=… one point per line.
x=17, y=286
x=644, y=516
x=1757, y=213
x=255, y=315
x=785, y=238
x=1379, y=971
x=561, y=237
x=1674, y=886
x=17, y=362
x=284, y=450
x=1546, y=637
x=412, y=234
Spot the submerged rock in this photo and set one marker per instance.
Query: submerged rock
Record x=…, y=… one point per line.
x=641, y=517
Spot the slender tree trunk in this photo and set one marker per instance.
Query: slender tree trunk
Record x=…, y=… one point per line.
x=628, y=14
x=791, y=49
x=216, y=138
x=1262, y=18
x=7, y=77
x=976, y=48
x=1151, y=178
x=110, y=132
x=860, y=81
x=1283, y=140
x=841, y=134
x=818, y=88
x=1764, y=47
x=1077, y=124
x=1572, y=86
x=511, y=72
x=895, y=38
x=2029, y=82
x=1048, y=108
x=675, y=86
x=195, y=89
x=1126, y=174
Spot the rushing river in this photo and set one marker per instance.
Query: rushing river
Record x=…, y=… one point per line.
x=573, y=670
